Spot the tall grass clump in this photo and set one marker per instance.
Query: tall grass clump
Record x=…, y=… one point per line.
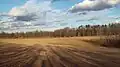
x=111, y=41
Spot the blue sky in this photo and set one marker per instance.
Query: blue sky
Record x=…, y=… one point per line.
x=65, y=4
x=29, y=15
x=6, y=5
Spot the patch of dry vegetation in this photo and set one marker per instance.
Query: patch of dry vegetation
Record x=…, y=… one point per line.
x=88, y=41
x=106, y=41
x=74, y=41
x=113, y=41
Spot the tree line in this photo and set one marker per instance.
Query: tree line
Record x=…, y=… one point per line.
x=83, y=30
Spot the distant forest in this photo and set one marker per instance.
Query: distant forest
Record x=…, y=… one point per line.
x=86, y=30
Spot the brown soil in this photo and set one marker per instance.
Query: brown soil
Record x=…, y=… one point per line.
x=57, y=56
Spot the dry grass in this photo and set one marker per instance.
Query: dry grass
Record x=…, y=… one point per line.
x=87, y=41
x=106, y=41
x=74, y=41
x=113, y=41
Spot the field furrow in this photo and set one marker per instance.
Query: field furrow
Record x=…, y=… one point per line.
x=57, y=56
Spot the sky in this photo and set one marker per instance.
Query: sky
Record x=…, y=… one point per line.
x=49, y=15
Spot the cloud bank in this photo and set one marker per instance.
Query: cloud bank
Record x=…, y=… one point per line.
x=94, y=5
x=37, y=14
x=34, y=14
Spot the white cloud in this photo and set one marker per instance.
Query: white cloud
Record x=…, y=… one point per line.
x=113, y=2
x=30, y=10
x=94, y=5
x=18, y=11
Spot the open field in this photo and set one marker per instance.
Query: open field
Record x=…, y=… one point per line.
x=56, y=52
x=65, y=41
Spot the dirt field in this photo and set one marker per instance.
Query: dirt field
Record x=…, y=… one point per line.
x=56, y=52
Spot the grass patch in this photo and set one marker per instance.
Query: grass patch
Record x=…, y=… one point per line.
x=108, y=41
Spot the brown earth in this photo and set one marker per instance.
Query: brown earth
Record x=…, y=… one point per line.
x=49, y=55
